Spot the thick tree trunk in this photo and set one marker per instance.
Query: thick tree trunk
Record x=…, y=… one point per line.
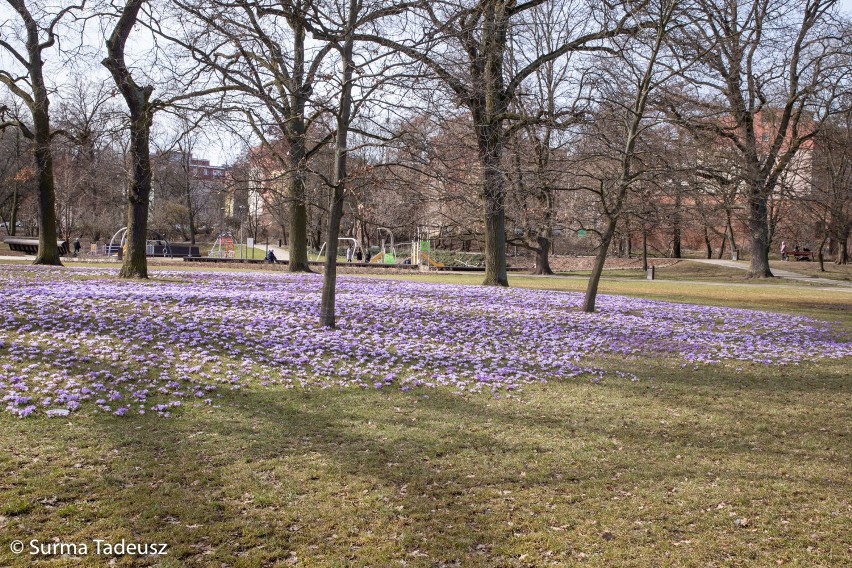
x=328, y=316
x=494, y=193
x=48, y=251
x=135, y=261
x=542, y=257
x=597, y=269
x=759, y=232
x=298, y=247
x=141, y=117
x=298, y=242
x=40, y=135
x=821, y=255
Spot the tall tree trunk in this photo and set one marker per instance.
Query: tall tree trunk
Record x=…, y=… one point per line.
x=820, y=255
x=676, y=236
x=494, y=193
x=344, y=117
x=759, y=232
x=708, y=247
x=597, y=269
x=729, y=233
x=135, y=261
x=298, y=246
x=842, y=256
x=48, y=251
x=34, y=94
x=190, y=213
x=644, y=249
x=13, y=215
x=141, y=117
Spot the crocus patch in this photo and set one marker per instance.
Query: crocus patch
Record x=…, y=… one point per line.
x=79, y=340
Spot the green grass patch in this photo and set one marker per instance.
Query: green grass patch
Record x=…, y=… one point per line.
x=679, y=468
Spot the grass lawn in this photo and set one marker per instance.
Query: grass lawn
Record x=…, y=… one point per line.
x=832, y=271
x=736, y=464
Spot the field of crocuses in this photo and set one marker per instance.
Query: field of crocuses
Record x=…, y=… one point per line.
x=79, y=340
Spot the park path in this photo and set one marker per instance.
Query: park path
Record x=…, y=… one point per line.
x=280, y=253
x=778, y=272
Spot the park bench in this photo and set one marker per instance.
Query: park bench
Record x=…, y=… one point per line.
x=801, y=254
x=29, y=245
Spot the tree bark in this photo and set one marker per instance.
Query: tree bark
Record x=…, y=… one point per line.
x=708, y=247
x=590, y=298
x=135, y=263
x=189, y=206
x=676, y=236
x=138, y=102
x=729, y=234
x=759, y=232
x=494, y=194
x=48, y=251
x=298, y=248
x=39, y=106
x=542, y=257
x=344, y=117
x=13, y=215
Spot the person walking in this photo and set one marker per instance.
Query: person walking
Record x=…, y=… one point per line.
x=783, y=250
x=348, y=254
x=76, y=247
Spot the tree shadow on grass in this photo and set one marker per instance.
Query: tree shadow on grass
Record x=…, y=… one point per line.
x=272, y=473
x=332, y=477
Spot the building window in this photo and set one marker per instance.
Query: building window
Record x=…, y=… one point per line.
x=765, y=137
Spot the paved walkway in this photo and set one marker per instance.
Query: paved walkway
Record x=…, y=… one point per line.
x=280, y=253
x=778, y=272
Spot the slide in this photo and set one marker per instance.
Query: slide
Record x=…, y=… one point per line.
x=431, y=262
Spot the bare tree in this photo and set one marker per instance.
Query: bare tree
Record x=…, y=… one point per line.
x=538, y=141
x=765, y=85
x=624, y=88
x=262, y=49
x=829, y=198
x=465, y=47
x=142, y=108
x=37, y=30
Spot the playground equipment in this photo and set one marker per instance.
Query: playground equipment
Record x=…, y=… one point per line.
x=223, y=247
x=389, y=249
x=156, y=246
x=356, y=246
x=421, y=249
x=388, y=254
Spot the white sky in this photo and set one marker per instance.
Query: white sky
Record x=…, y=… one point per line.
x=214, y=144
